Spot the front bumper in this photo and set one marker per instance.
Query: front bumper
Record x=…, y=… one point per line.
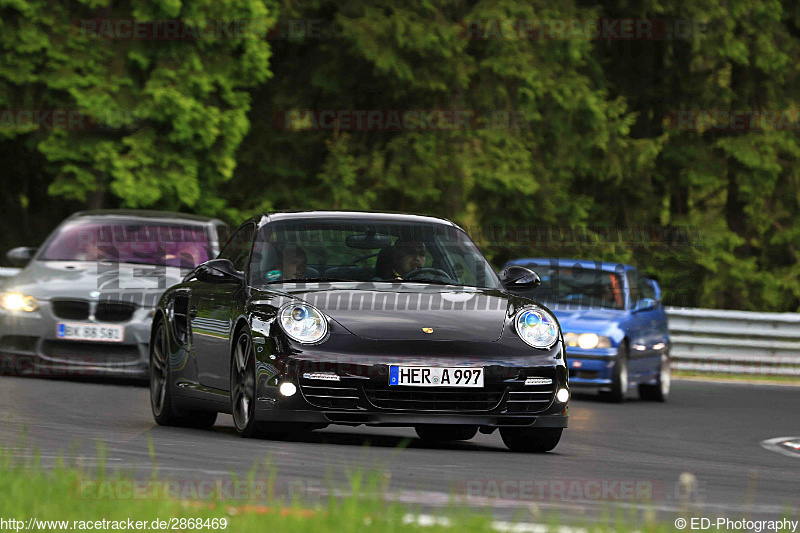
x=591, y=368
x=412, y=419
x=29, y=346
x=362, y=395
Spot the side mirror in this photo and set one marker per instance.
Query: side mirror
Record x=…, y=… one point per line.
x=218, y=270
x=519, y=277
x=20, y=256
x=645, y=304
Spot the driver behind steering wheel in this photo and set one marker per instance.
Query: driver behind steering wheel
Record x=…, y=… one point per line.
x=407, y=256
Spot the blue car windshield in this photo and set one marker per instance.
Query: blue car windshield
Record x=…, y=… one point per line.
x=583, y=287
x=363, y=251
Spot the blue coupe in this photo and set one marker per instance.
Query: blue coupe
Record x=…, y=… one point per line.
x=614, y=325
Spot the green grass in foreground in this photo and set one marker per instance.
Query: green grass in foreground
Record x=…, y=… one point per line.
x=711, y=376
x=67, y=493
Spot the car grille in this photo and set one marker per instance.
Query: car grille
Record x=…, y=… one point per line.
x=114, y=311
x=450, y=400
x=532, y=399
x=91, y=353
x=71, y=309
x=331, y=396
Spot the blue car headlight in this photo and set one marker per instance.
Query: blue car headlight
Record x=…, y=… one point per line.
x=587, y=341
x=536, y=327
x=303, y=323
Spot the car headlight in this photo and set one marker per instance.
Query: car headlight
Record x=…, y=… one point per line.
x=303, y=323
x=587, y=341
x=536, y=327
x=14, y=301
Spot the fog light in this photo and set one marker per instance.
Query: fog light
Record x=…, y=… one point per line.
x=287, y=389
x=562, y=395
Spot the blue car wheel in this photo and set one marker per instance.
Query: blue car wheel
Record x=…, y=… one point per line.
x=658, y=391
x=619, y=377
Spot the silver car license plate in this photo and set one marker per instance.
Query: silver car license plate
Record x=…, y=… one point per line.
x=90, y=332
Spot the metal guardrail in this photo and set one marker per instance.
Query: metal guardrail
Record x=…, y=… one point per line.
x=736, y=342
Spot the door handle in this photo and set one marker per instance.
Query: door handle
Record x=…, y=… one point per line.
x=193, y=312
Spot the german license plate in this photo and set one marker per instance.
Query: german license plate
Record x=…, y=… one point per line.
x=90, y=332
x=425, y=376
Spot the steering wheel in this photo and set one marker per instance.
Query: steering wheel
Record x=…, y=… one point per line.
x=426, y=270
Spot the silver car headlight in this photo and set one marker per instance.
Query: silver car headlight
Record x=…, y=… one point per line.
x=536, y=327
x=303, y=323
x=14, y=301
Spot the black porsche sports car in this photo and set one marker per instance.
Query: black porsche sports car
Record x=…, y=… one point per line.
x=314, y=318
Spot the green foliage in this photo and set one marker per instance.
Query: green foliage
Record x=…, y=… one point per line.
x=166, y=115
x=564, y=132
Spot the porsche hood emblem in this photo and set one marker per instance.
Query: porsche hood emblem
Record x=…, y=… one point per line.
x=428, y=330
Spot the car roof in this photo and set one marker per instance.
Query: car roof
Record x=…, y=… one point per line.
x=148, y=214
x=382, y=216
x=564, y=262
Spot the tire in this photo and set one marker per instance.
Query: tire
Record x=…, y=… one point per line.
x=619, y=378
x=243, y=387
x=531, y=440
x=164, y=413
x=658, y=391
x=446, y=433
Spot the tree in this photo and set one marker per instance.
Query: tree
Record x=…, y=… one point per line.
x=157, y=119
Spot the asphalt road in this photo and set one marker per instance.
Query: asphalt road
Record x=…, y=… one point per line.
x=611, y=455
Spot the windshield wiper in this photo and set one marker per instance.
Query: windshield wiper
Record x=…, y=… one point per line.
x=424, y=280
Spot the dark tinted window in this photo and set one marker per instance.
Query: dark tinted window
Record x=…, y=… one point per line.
x=584, y=287
x=237, y=249
x=223, y=234
x=633, y=281
x=645, y=289
x=367, y=250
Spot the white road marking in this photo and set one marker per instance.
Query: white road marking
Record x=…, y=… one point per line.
x=782, y=445
x=504, y=526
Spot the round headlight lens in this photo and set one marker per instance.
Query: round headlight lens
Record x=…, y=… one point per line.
x=536, y=327
x=303, y=323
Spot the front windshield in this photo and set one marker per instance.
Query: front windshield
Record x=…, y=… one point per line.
x=139, y=242
x=368, y=251
x=584, y=287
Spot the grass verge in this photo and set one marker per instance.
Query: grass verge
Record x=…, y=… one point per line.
x=65, y=497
